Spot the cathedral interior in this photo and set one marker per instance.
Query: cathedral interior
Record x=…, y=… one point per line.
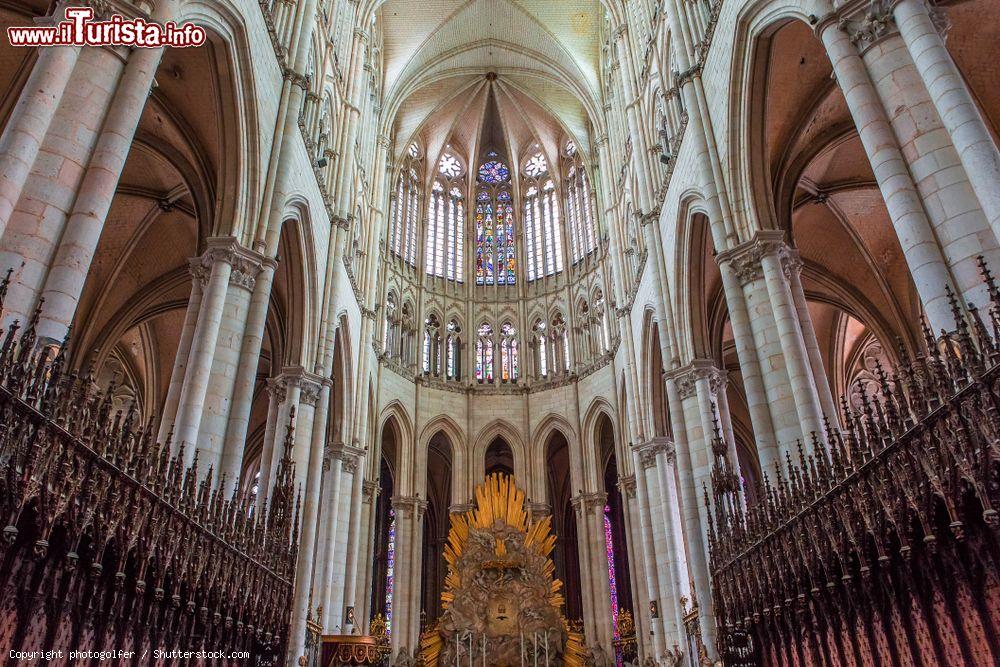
x=504, y=332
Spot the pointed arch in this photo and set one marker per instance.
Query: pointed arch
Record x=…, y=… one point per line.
x=510, y=434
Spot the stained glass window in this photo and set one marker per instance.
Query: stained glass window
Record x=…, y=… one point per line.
x=609, y=545
x=583, y=234
x=560, y=343
x=602, y=330
x=484, y=353
x=403, y=218
x=454, y=343
x=494, y=172
x=413, y=151
x=431, y=359
x=390, y=571
x=449, y=166
x=445, y=235
x=543, y=356
x=496, y=262
x=542, y=230
x=508, y=353
x=536, y=165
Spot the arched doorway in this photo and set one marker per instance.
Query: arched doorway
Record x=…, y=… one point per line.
x=566, y=555
x=383, y=558
x=435, y=527
x=615, y=530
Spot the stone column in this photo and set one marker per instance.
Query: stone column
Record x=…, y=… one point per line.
x=338, y=555
x=682, y=390
x=307, y=454
x=793, y=346
x=355, y=538
x=628, y=486
x=778, y=339
x=792, y=263
x=593, y=510
x=750, y=366
x=369, y=492
x=181, y=359
x=334, y=466
x=953, y=101
x=869, y=41
x=406, y=590
x=38, y=220
x=229, y=362
x=214, y=272
x=277, y=396
x=30, y=120
x=913, y=229
x=78, y=244
x=585, y=550
x=246, y=375
x=677, y=570
x=654, y=561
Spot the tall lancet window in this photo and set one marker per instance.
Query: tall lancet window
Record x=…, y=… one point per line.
x=509, y=364
x=484, y=353
x=431, y=362
x=579, y=212
x=560, y=344
x=612, y=583
x=542, y=231
x=445, y=236
x=390, y=572
x=405, y=213
x=496, y=261
x=541, y=348
x=453, y=363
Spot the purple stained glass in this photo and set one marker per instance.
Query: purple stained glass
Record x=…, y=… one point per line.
x=609, y=544
x=494, y=171
x=390, y=559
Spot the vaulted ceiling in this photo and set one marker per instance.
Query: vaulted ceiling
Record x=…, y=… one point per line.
x=546, y=56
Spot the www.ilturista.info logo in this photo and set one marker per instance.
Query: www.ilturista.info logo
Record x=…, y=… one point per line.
x=79, y=29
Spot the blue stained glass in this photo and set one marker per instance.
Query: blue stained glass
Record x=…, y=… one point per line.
x=494, y=171
x=483, y=196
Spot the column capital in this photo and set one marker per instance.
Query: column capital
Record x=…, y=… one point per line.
x=627, y=486
x=686, y=377
x=460, y=508
x=276, y=387
x=247, y=264
x=650, y=449
x=370, y=490
x=539, y=509
x=866, y=22
x=589, y=502
x=409, y=506
x=745, y=258
x=309, y=384
x=349, y=455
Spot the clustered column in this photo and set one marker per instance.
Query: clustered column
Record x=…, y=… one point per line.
x=663, y=541
x=63, y=151
x=409, y=512
x=761, y=276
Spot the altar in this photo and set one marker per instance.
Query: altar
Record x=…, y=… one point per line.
x=502, y=604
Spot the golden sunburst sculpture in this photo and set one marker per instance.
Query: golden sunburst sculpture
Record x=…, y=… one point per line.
x=501, y=599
